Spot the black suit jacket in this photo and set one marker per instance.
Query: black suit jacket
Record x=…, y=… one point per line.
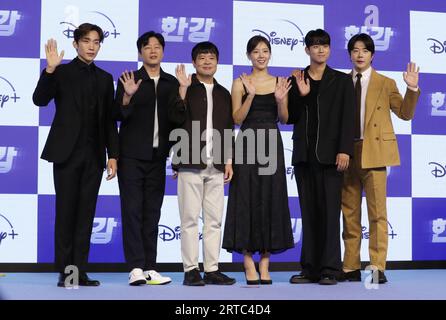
x=336, y=103
x=66, y=126
x=137, y=118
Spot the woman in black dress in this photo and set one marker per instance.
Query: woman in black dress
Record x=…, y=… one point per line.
x=258, y=217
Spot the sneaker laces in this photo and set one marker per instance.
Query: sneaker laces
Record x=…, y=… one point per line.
x=153, y=274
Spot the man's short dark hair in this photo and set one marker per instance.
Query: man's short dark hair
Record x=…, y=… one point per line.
x=204, y=47
x=143, y=40
x=364, y=38
x=317, y=37
x=85, y=28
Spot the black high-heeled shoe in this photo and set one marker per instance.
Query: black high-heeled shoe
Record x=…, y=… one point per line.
x=251, y=282
x=263, y=281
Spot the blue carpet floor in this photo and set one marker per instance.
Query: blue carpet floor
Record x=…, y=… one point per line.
x=403, y=285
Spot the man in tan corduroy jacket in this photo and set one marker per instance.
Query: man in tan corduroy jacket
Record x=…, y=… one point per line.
x=375, y=148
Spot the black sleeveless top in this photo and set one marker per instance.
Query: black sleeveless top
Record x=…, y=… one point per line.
x=263, y=109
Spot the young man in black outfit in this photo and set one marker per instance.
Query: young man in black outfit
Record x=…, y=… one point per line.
x=81, y=133
x=141, y=105
x=321, y=107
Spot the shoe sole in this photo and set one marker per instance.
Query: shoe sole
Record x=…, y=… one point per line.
x=379, y=282
x=219, y=283
x=254, y=283
x=194, y=284
x=137, y=282
x=327, y=282
x=157, y=283
x=301, y=281
x=350, y=280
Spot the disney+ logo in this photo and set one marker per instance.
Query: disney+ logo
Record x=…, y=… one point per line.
x=6, y=229
x=366, y=234
x=438, y=170
x=7, y=94
x=110, y=31
x=436, y=46
x=276, y=38
x=167, y=233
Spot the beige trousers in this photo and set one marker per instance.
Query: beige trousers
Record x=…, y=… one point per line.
x=200, y=191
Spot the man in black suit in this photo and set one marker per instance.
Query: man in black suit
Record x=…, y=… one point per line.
x=82, y=131
x=321, y=107
x=141, y=105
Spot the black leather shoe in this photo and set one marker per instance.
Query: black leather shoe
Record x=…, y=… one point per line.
x=193, y=278
x=61, y=281
x=381, y=277
x=85, y=281
x=353, y=276
x=328, y=279
x=301, y=278
x=218, y=278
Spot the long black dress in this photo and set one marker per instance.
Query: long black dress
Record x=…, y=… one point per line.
x=258, y=216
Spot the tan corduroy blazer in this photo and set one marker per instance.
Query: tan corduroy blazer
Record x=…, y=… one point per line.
x=380, y=147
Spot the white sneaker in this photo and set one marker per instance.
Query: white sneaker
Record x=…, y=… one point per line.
x=154, y=278
x=136, y=277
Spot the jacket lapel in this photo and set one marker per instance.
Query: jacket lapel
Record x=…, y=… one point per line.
x=327, y=78
x=373, y=92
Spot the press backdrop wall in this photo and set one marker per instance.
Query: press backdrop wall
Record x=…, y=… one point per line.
x=403, y=31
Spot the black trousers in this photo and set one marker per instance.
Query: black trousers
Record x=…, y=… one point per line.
x=320, y=190
x=77, y=183
x=141, y=187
